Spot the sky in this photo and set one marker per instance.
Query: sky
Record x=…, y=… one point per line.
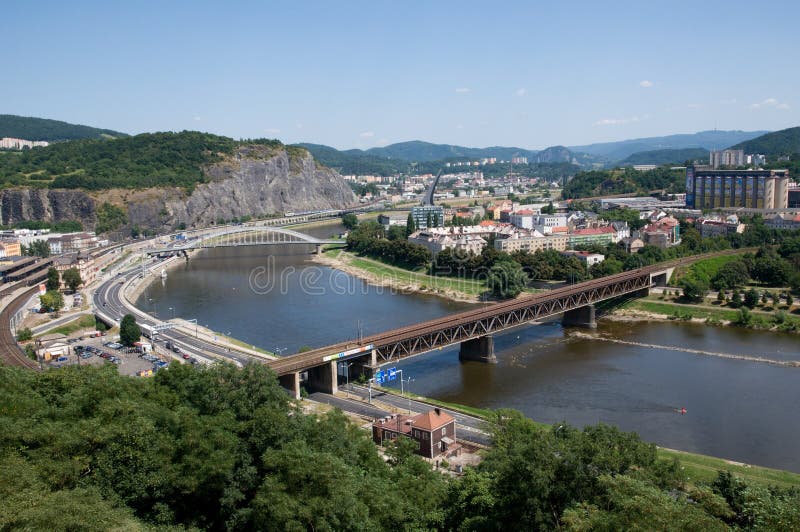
x=353, y=74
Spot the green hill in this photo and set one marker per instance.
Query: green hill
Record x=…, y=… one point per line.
x=776, y=144
x=30, y=128
x=146, y=160
x=668, y=156
x=420, y=151
x=623, y=181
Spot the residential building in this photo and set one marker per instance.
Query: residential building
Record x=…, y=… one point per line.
x=633, y=244
x=754, y=189
x=522, y=219
x=622, y=230
x=644, y=167
x=594, y=235
x=663, y=233
x=10, y=247
x=756, y=160
x=437, y=242
x=9, y=143
x=728, y=158
x=532, y=243
x=434, y=431
x=519, y=160
x=388, y=220
x=586, y=257
x=793, y=198
x=83, y=263
x=422, y=213
x=783, y=221
x=710, y=227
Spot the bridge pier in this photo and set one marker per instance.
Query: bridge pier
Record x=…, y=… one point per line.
x=365, y=365
x=318, y=249
x=580, y=317
x=324, y=378
x=291, y=382
x=479, y=349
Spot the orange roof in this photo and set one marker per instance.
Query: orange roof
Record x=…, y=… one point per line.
x=525, y=212
x=560, y=229
x=594, y=231
x=432, y=420
x=486, y=223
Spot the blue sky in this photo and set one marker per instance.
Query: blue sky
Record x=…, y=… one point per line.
x=362, y=74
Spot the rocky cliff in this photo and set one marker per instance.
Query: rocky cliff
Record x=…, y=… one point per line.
x=254, y=181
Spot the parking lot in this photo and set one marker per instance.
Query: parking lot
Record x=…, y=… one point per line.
x=129, y=361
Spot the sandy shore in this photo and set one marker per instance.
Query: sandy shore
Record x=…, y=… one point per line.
x=626, y=315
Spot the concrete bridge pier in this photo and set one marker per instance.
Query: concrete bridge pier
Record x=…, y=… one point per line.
x=324, y=378
x=365, y=365
x=479, y=349
x=318, y=249
x=291, y=382
x=580, y=317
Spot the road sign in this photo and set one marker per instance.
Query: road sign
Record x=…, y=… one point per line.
x=392, y=374
x=379, y=377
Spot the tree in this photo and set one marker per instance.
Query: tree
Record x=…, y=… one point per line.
x=72, y=278
x=736, y=299
x=751, y=298
x=694, y=288
x=24, y=335
x=38, y=248
x=548, y=209
x=506, y=279
x=53, y=280
x=52, y=300
x=129, y=331
x=731, y=275
x=350, y=221
x=410, y=226
x=789, y=299
x=721, y=296
x=396, y=232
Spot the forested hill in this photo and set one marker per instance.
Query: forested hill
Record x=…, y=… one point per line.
x=776, y=144
x=668, y=156
x=146, y=160
x=623, y=181
x=30, y=128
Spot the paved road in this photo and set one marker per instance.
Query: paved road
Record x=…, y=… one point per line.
x=349, y=405
x=59, y=321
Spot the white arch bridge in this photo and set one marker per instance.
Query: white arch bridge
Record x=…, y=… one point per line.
x=246, y=236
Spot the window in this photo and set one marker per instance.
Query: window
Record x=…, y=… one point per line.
x=444, y=431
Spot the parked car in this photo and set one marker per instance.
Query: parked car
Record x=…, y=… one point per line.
x=186, y=356
x=176, y=349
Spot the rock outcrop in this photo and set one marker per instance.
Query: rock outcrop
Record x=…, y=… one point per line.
x=257, y=180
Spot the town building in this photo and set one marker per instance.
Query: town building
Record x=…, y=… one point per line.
x=586, y=257
x=436, y=242
x=388, y=220
x=783, y=221
x=753, y=189
x=710, y=227
x=793, y=198
x=82, y=262
x=633, y=244
x=10, y=247
x=622, y=230
x=532, y=243
x=594, y=235
x=9, y=143
x=728, y=158
x=422, y=213
x=664, y=233
x=434, y=432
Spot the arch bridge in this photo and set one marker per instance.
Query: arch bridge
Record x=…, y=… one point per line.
x=256, y=235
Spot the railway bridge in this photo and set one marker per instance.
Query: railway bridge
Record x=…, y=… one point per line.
x=472, y=329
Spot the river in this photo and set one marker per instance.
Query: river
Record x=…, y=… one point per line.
x=739, y=410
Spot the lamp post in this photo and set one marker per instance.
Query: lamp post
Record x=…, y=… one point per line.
x=194, y=320
x=346, y=366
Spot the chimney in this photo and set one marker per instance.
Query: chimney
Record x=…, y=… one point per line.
x=438, y=412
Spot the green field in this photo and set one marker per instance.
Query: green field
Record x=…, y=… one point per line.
x=706, y=268
x=81, y=323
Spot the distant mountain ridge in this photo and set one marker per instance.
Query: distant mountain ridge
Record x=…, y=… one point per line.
x=32, y=128
x=421, y=151
x=667, y=156
x=775, y=144
x=709, y=140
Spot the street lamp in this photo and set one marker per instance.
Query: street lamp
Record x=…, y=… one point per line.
x=194, y=320
x=347, y=377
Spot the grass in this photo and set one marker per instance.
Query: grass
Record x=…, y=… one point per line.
x=84, y=322
x=697, y=467
x=245, y=345
x=706, y=268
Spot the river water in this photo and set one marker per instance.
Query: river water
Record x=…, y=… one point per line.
x=276, y=298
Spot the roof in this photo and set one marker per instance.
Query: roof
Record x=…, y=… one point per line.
x=525, y=212
x=594, y=231
x=432, y=420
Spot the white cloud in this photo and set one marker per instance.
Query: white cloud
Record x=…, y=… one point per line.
x=463, y=90
x=272, y=130
x=769, y=103
x=382, y=142
x=299, y=125
x=646, y=83
x=460, y=126
x=367, y=134
x=619, y=121
x=196, y=118
x=521, y=92
x=729, y=101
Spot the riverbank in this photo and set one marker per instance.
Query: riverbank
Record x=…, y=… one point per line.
x=697, y=467
x=379, y=274
x=653, y=309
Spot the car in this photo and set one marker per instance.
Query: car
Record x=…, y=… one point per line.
x=186, y=356
x=85, y=355
x=168, y=345
x=62, y=359
x=193, y=361
x=176, y=349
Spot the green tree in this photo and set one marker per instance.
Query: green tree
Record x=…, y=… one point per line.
x=53, y=279
x=25, y=334
x=410, y=225
x=694, y=288
x=129, y=330
x=506, y=279
x=38, y=248
x=736, y=299
x=789, y=299
x=721, y=296
x=350, y=221
x=52, y=300
x=751, y=298
x=548, y=209
x=72, y=278
x=731, y=275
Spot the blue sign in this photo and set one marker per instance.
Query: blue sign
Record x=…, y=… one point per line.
x=392, y=374
x=379, y=377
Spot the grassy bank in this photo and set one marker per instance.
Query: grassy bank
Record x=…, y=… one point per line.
x=78, y=324
x=698, y=467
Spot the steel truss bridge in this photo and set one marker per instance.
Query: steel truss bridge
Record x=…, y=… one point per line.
x=246, y=236
x=470, y=325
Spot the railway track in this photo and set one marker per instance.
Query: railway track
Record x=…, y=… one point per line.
x=10, y=352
